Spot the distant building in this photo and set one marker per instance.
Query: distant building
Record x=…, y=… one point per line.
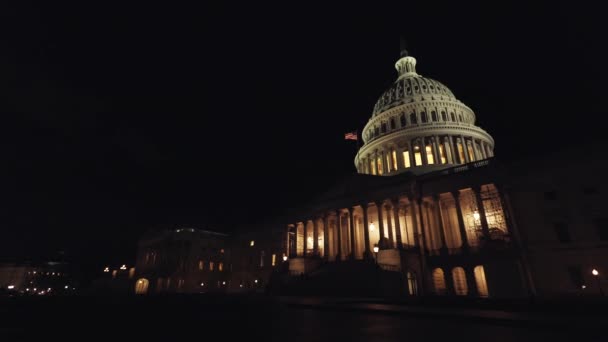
x=40, y=278
x=182, y=260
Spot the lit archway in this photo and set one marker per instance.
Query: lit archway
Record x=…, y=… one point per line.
x=141, y=286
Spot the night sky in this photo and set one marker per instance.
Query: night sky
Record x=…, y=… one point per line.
x=118, y=117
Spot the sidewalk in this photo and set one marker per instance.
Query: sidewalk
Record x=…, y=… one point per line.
x=374, y=305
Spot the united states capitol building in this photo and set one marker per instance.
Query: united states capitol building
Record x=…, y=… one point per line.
x=430, y=211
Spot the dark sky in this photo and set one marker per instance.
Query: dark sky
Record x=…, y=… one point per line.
x=117, y=116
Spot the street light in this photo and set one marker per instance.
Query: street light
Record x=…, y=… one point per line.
x=284, y=257
x=596, y=274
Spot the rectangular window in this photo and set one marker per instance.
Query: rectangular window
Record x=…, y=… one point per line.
x=417, y=156
x=471, y=153
x=444, y=158
x=461, y=153
x=561, y=231
x=394, y=156
x=602, y=228
x=220, y=266
x=210, y=265
x=388, y=163
x=429, y=154
x=201, y=265
x=392, y=123
x=406, y=159
x=380, y=171
x=274, y=259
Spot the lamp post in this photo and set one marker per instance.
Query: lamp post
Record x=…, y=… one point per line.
x=596, y=274
x=376, y=253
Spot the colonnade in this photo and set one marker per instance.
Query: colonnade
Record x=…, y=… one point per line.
x=426, y=150
x=444, y=223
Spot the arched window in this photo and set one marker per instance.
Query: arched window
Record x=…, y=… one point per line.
x=480, y=280
x=412, y=286
x=453, y=117
x=434, y=116
x=376, y=131
x=393, y=123
x=413, y=119
x=439, y=281
x=460, y=117
x=460, y=281
x=383, y=129
x=141, y=286
x=444, y=117
x=402, y=119
x=423, y=117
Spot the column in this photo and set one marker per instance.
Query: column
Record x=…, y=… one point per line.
x=380, y=221
x=389, y=223
x=339, y=226
x=423, y=242
x=326, y=237
x=482, y=146
x=463, y=232
x=352, y=233
x=376, y=160
x=482, y=213
x=471, y=282
x=400, y=161
x=411, y=154
x=436, y=154
x=366, y=251
x=315, y=237
x=447, y=143
x=444, y=245
x=305, y=229
x=412, y=205
x=423, y=151
x=397, y=223
x=466, y=150
x=295, y=242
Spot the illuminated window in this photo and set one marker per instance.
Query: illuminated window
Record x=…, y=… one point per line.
x=373, y=166
x=201, y=265
x=461, y=152
x=389, y=164
x=141, y=286
x=210, y=265
x=480, y=280
x=442, y=154
x=406, y=158
x=429, y=154
x=180, y=283
x=471, y=153
x=220, y=266
x=379, y=161
x=222, y=251
x=460, y=281
x=131, y=272
x=394, y=156
x=274, y=259
x=251, y=243
x=417, y=155
x=114, y=273
x=439, y=281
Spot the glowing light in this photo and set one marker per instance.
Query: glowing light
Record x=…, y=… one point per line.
x=53, y=273
x=202, y=284
x=376, y=249
x=284, y=257
x=584, y=287
x=310, y=241
x=28, y=289
x=595, y=272
x=34, y=289
x=65, y=287
x=241, y=285
x=476, y=215
x=106, y=270
x=223, y=283
x=140, y=281
x=372, y=227
x=123, y=267
x=251, y=243
x=10, y=287
x=255, y=281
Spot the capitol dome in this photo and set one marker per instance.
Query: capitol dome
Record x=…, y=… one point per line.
x=419, y=126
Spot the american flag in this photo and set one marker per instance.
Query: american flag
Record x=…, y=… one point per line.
x=350, y=136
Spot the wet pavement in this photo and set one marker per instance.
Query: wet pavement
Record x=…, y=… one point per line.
x=255, y=319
